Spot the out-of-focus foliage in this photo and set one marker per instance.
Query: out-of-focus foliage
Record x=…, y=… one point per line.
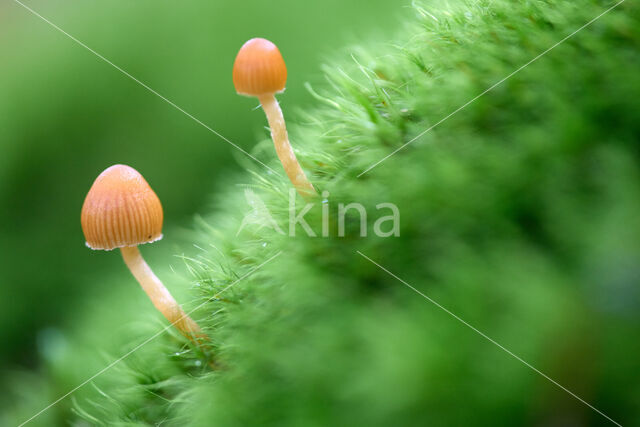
x=519, y=214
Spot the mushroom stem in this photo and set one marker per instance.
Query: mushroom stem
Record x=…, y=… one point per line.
x=159, y=295
x=283, y=147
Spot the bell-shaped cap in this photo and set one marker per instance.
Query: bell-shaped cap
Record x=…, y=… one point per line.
x=259, y=69
x=121, y=210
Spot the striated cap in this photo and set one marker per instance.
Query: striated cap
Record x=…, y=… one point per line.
x=259, y=69
x=121, y=210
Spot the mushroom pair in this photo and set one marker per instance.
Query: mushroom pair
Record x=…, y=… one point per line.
x=121, y=211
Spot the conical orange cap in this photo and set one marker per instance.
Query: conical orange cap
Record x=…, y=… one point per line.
x=121, y=210
x=259, y=69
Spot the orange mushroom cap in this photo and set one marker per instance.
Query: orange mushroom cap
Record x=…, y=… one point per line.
x=121, y=210
x=259, y=69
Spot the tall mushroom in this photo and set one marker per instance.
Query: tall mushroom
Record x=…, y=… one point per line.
x=260, y=71
x=122, y=211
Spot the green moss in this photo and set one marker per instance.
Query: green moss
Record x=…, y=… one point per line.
x=518, y=213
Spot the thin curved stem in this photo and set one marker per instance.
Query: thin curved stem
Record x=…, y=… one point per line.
x=283, y=147
x=160, y=296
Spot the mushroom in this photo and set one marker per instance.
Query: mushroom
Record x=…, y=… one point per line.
x=122, y=211
x=260, y=71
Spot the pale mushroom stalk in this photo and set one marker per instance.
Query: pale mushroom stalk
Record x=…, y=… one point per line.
x=159, y=295
x=283, y=146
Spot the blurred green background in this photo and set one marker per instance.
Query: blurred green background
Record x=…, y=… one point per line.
x=65, y=115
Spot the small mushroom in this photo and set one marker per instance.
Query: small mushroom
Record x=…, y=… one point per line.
x=122, y=211
x=260, y=71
